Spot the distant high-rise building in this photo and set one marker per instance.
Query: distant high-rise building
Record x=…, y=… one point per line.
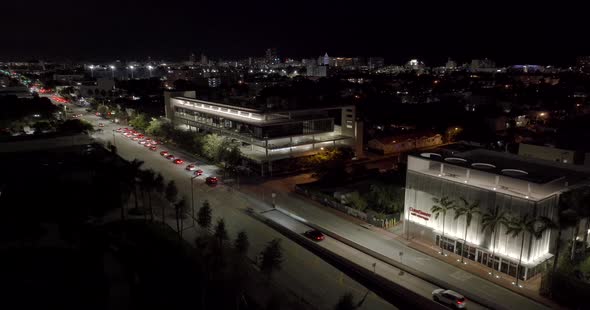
x=204, y=60
x=272, y=56
x=451, y=64
x=192, y=59
x=376, y=62
x=415, y=64
x=343, y=62
x=326, y=60
x=316, y=71
x=482, y=65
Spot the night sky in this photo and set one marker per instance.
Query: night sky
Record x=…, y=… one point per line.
x=507, y=31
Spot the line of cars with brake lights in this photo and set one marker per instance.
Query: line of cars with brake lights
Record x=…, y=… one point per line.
x=153, y=146
x=447, y=297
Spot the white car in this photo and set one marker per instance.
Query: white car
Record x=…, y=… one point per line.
x=449, y=298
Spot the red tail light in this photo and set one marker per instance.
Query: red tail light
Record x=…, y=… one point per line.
x=459, y=302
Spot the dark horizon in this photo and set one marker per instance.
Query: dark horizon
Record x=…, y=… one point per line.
x=506, y=32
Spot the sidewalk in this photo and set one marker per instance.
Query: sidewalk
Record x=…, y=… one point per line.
x=530, y=287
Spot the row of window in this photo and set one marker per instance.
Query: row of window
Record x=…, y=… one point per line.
x=484, y=257
x=271, y=131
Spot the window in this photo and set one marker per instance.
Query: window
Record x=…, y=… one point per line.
x=348, y=124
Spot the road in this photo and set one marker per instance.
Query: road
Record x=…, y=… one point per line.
x=389, y=247
x=308, y=276
x=294, y=204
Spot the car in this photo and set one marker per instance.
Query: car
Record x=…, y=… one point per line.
x=178, y=161
x=100, y=125
x=135, y=139
x=164, y=153
x=142, y=142
x=153, y=148
x=449, y=298
x=190, y=167
x=211, y=180
x=147, y=145
x=119, y=129
x=199, y=172
x=140, y=136
x=154, y=142
x=170, y=157
x=314, y=234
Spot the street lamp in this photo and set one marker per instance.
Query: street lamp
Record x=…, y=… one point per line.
x=91, y=70
x=131, y=68
x=193, y=199
x=150, y=68
x=112, y=70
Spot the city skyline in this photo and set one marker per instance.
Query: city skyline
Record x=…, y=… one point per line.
x=516, y=33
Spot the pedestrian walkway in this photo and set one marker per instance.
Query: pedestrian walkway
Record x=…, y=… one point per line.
x=530, y=287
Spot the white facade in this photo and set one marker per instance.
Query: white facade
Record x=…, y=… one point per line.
x=516, y=185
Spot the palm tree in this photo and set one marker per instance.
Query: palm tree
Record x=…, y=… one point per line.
x=576, y=201
x=179, y=206
x=242, y=244
x=148, y=183
x=159, y=187
x=468, y=210
x=442, y=206
x=492, y=220
x=272, y=257
x=220, y=232
x=204, y=216
x=133, y=171
x=521, y=226
x=566, y=218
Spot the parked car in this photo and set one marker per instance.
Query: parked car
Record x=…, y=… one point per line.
x=449, y=298
x=199, y=172
x=211, y=180
x=164, y=153
x=153, y=148
x=190, y=167
x=178, y=161
x=170, y=157
x=314, y=234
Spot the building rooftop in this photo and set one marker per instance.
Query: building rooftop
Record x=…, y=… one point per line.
x=514, y=175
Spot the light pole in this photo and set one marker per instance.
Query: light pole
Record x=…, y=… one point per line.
x=114, y=144
x=150, y=68
x=112, y=70
x=273, y=195
x=91, y=70
x=193, y=200
x=131, y=68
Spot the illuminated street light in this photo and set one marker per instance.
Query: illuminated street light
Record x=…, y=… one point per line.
x=131, y=68
x=91, y=70
x=112, y=70
x=150, y=68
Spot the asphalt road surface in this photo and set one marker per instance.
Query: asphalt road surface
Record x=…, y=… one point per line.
x=227, y=204
x=308, y=276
